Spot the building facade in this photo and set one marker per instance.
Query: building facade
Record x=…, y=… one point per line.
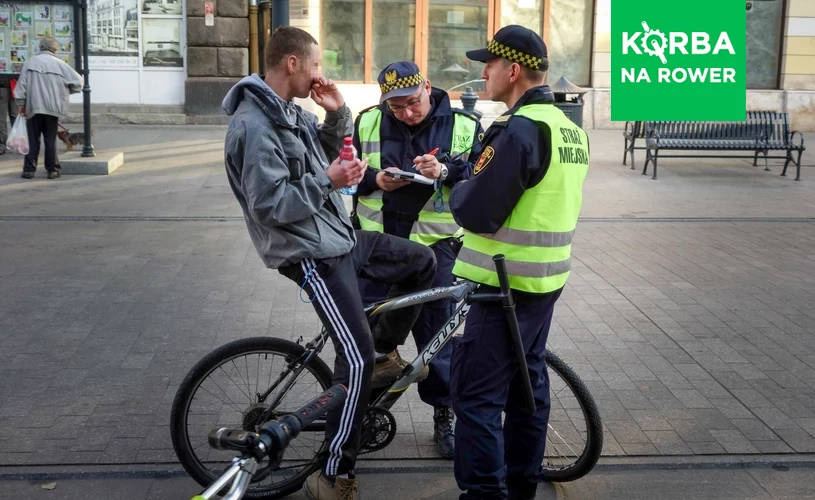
x=183, y=63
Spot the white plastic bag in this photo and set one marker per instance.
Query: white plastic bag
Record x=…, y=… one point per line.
x=17, y=141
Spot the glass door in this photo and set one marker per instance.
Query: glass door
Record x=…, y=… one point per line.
x=454, y=27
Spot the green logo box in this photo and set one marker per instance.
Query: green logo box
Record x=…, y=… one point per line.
x=678, y=60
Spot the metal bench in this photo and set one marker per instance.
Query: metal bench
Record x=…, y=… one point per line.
x=760, y=133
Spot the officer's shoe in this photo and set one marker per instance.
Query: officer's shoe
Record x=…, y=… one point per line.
x=27, y=175
x=443, y=431
x=389, y=369
x=320, y=487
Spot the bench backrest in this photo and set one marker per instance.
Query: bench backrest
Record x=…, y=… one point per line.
x=778, y=128
x=759, y=125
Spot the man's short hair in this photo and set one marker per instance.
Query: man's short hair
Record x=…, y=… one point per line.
x=533, y=75
x=287, y=41
x=48, y=44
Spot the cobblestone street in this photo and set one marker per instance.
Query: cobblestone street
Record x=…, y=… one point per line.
x=695, y=336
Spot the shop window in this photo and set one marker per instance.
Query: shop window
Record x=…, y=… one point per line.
x=454, y=27
x=394, y=33
x=566, y=27
x=342, y=39
x=569, y=40
x=764, y=18
x=527, y=13
x=358, y=38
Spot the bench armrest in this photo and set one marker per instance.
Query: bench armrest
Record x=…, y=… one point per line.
x=628, y=130
x=792, y=136
x=652, y=135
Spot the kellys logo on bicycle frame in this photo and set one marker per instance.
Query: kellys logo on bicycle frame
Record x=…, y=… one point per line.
x=437, y=343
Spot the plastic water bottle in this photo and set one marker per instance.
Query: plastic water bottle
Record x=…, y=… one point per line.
x=348, y=153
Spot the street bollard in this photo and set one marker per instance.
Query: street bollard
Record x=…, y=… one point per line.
x=468, y=100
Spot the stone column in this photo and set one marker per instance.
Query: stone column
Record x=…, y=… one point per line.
x=599, y=102
x=217, y=56
x=798, y=64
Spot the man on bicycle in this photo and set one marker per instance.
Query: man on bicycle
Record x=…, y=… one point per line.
x=411, y=120
x=522, y=201
x=277, y=161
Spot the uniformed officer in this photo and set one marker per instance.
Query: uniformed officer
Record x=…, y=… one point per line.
x=522, y=201
x=412, y=120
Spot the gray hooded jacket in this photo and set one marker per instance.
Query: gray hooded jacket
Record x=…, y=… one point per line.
x=276, y=156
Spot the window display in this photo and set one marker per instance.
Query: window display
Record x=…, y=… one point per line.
x=22, y=25
x=162, y=43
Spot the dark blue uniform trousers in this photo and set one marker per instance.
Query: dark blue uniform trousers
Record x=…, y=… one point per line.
x=435, y=389
x=484, y=383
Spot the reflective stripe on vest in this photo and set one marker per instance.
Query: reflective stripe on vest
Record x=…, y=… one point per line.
x=431, y=225
x=536, y=238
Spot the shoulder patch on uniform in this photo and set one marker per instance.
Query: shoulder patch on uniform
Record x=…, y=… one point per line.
x=484, y=159
x=502, y=118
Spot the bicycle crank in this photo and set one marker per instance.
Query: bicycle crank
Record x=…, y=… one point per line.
x=378, y=430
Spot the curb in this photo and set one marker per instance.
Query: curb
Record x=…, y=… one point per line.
x=172, y=470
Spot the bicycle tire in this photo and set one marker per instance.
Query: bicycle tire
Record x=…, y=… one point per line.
x=207, y=365
x=594, y=426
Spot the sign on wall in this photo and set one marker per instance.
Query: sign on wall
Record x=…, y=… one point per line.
x=209, y=13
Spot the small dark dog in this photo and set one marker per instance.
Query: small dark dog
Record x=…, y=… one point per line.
x=70, y=139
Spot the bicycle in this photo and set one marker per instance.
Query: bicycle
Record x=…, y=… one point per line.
x=269, y=442
x=574, y=437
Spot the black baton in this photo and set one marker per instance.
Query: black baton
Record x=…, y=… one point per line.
x=514, y=331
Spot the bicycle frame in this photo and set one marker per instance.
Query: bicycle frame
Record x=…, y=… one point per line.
x=458, y=291
x=242, y=470
x=391, y=393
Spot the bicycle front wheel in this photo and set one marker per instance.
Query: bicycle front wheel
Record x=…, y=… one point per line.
x=224, y=390
x=574, y=438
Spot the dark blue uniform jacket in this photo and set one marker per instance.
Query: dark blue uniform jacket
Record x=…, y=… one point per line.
x=400, y=144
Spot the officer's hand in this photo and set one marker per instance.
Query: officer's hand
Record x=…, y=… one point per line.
x=347, y=174
x=387, y=183
x=428, y=166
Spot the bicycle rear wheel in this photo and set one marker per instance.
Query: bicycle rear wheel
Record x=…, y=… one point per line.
x=574, y=439
x=222, y=390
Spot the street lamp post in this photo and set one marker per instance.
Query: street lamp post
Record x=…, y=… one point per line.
x=87, y=149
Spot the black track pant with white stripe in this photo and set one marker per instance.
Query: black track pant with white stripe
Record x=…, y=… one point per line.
x=332, y=286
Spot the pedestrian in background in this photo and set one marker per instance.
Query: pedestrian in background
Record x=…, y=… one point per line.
x=42, y=93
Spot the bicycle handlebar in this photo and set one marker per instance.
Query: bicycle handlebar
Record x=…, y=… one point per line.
x=274, y=436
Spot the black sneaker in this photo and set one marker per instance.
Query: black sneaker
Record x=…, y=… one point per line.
x=53, y=174
x=443, y=431
x=27, y=175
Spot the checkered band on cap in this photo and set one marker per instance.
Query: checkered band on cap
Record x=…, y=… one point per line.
x=401, y=83
x=517, y=56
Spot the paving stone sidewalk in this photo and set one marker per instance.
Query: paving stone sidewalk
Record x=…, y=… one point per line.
x=695, y=338
x=645, y=484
